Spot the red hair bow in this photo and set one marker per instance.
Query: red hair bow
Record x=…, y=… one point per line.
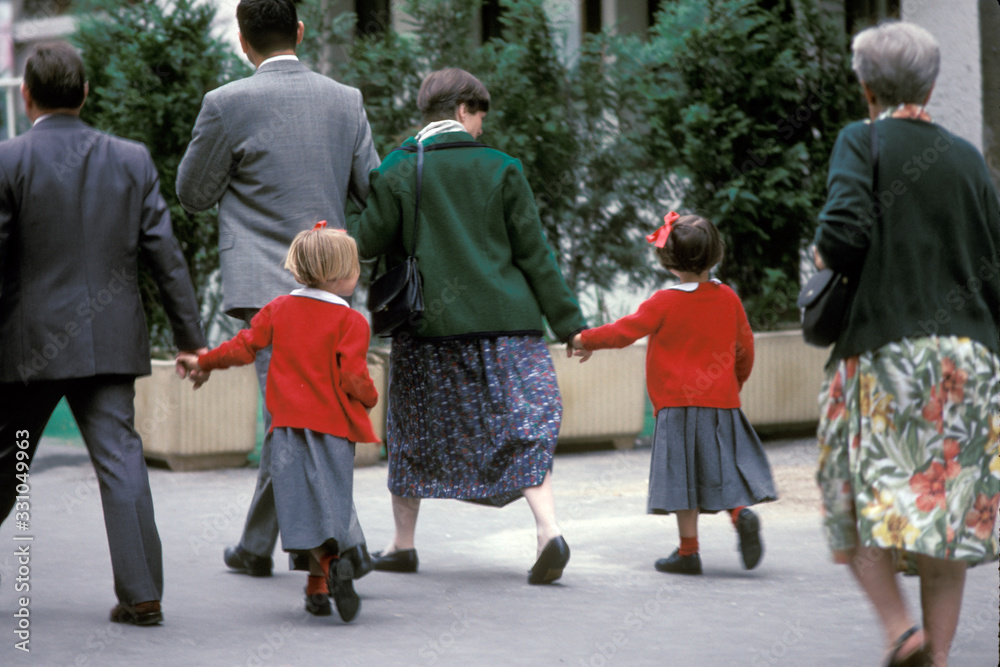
x=659, y=237
x=319, y=225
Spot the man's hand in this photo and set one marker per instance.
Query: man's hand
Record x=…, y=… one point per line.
x=187, y=366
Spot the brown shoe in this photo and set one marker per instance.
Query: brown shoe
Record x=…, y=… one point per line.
x=144, y=613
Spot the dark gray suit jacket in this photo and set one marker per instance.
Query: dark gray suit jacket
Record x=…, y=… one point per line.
x=78, y=208
x=277, y=151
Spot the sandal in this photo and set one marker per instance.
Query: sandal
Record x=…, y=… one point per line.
x=918, y=658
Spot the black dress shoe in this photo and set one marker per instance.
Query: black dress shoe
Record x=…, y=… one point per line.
x=678, y=564
x=361, y=560
x=550, y=563
x=244, y=562
x=143, y=614
x=402, y=560
x=340, y=582
x=318, y=604
x=748, y=528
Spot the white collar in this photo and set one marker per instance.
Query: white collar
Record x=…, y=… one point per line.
x=439, y=127
x=274, y=59
x=690, y=287
x=320, y=295
x=41, y=118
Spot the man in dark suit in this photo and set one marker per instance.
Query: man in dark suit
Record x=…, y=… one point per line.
x=278, y=152
x=77, y=210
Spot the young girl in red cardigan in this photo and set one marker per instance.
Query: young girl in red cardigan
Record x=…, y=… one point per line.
x=318, y=393
x=706, y=457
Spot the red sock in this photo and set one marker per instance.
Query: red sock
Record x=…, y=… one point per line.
x=324, y=562
x=689, y=546
x=316, y=585
x=734, y=514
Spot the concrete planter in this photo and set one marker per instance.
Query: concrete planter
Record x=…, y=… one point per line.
x=604, y=399
x=783, y=388
x=214, y=427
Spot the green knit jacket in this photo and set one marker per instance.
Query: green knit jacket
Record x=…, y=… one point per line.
x=486, y=266
x=926, y=255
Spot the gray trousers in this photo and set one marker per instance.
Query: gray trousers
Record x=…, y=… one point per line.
x=260, y=532
x=103, y=407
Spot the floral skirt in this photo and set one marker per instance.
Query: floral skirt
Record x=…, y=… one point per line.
x=908, y=438
x=474, y=419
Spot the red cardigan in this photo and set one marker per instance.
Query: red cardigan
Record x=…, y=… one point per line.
x=318, y=377
x=700, y=348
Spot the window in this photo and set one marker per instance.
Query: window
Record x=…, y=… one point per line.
x=491, y=26
x=373, y=16
x=592, y=11
x=860, y=14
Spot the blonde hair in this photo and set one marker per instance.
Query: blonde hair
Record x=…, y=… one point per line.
x=321, y=255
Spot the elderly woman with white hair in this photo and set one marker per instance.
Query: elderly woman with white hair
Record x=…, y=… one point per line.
x=909, y=426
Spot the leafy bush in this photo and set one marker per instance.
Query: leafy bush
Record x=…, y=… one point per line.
x=746, y=102
x=149, y=65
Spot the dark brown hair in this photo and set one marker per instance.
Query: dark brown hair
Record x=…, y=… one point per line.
x=443, y=91
x=694, y=245
x=55, y=77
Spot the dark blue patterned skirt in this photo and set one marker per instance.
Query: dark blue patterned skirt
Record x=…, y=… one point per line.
x=472, y=419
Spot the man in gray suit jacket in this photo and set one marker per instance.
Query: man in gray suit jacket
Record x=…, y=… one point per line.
x=77, y=210
x=278, y=152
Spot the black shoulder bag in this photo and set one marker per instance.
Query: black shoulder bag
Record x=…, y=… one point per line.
x=826, y=297
x=396, y=298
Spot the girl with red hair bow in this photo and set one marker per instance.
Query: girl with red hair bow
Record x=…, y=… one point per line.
x=706, y=456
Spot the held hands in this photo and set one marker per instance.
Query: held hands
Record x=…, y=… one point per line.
x=574, y=347
x=187, y=366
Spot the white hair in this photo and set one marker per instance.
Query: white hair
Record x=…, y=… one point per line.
x=898, y=61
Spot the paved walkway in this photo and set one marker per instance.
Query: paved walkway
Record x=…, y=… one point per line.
x=470, y=603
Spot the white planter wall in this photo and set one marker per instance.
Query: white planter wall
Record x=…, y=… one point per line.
x=213, y=427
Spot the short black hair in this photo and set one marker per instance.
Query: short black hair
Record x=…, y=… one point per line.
x=55, y=76
x=268, y=25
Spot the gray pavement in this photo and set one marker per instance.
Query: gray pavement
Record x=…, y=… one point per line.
x=470, y=603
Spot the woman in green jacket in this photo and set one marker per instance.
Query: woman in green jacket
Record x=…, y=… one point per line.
x=474, y=407
x=908, y=440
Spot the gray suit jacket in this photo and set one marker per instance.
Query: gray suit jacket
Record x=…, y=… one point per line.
x=278, y=151
x=77, y=209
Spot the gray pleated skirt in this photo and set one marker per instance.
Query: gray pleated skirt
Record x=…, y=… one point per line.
x=709, y=459
x=312, y=475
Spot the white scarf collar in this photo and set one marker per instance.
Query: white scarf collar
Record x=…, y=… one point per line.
x=439, y=127
x=690, y=287
x=320, y=295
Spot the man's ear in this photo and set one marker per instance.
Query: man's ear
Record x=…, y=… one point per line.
x=299, y=32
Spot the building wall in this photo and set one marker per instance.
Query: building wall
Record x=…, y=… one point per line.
x=957, y=100
x=989, y=28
